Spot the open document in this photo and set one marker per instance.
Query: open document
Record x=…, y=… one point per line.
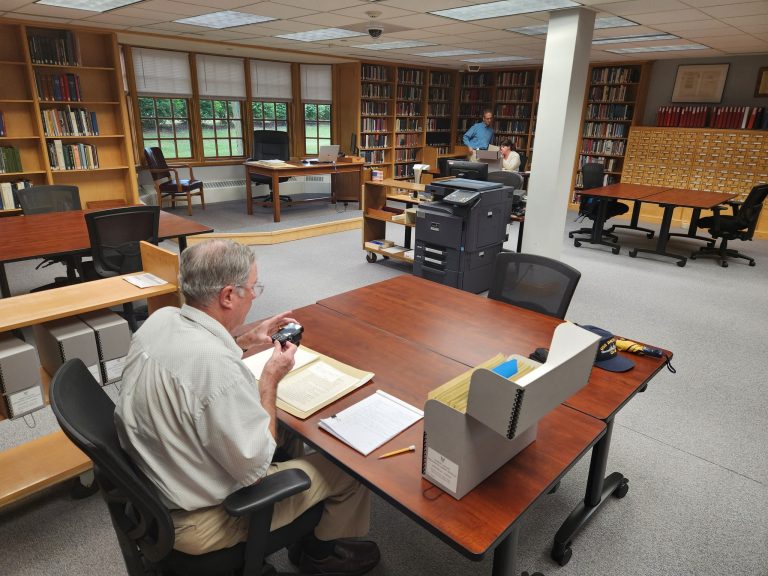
x=371, y=422
x=315, y=381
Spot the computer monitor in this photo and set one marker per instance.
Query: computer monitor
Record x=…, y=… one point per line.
x=468, y=170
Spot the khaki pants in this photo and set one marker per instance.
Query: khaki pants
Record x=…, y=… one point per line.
x=346, y=513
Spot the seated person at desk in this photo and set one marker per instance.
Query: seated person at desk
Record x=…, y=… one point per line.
x=193, y=420
x=479, y=136
x=510, y=159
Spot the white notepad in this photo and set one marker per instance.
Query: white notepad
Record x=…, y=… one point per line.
x=371, y=422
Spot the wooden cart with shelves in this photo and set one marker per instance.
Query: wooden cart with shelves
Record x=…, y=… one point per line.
x=50, y=459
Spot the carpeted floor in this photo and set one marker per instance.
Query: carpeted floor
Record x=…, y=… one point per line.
x=693, y=445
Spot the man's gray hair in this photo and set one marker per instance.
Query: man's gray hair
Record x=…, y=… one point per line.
x=207, y=267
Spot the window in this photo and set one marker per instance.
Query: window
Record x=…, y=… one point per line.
x=317, y=127
x=270, y=116
x=165, y=123
x=222, y=126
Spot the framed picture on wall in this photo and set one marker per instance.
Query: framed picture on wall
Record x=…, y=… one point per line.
x=762, y=83
x=700, y=82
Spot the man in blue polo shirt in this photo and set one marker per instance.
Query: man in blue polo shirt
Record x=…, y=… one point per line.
x=479, y=136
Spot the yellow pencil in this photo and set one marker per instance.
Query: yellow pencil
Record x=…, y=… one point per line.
x=396, y=452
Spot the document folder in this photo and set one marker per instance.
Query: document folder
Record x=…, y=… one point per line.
x=463, y=449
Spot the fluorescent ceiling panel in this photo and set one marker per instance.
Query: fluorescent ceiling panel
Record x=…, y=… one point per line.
x=600, y=24
x=496, y=59
x=635, y=38
x=658, y=48
x=503, y=8
x=224, y=19
x=321, y=34
x=92, y=5
x=446, y=53
x=395, y=44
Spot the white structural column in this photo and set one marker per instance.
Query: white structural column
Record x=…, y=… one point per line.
x=558, y=124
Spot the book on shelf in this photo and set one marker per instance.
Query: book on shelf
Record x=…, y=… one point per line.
x=720, y=117
x=58, y=47
x=58, y=87
x=315, y=381
x=75, y=156
x=2, y=124
x=69, y=122
x=10, y=160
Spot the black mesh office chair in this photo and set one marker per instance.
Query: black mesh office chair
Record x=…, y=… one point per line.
x=269, y=145
x=143, y=525
x=115, y=235
x=738, y=226
x=512, y=179
x=592, y=175
x=53, y=198
x=534, y=282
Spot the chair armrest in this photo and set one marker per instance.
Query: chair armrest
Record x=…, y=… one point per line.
x=160, y=170
x=735, y=205
x=267, y=491
x=187, y=166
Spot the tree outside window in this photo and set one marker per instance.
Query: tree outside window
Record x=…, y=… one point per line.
x=317, y=127
x=270, y=116
x=222, y=128
x=165, y=124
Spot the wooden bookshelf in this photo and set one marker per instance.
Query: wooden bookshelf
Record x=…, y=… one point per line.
x=476, y=93
x=410, y=119
x=441, y=114
x=377, y=116
x=83, y=74
x=515, y=108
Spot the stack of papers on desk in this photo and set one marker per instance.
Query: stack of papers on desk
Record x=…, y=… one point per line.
x=371, y=422
x=315, y=381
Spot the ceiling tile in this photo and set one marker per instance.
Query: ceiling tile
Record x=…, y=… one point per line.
x=429, y=5
x=731, y=10
x=274, y=10
x=219, y=4
x=742, y=21
x=321, y=20
x=386, y=11
x=416, y=21
x=668, y=16
x=286, y=26
x=642, y=7
x=703, y=3
x=328, y=5
x=136, y=11
x=712, y=27
x=120, y=20
x=54, y=11
x=178, y=9
x=12, y=5
x=489, y=35
x=457, y=28
x=416, y=35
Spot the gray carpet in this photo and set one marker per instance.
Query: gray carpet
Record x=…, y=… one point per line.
x=693, y=445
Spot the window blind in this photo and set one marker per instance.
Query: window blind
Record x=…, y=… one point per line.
x=316, y=83
x=271, y=81
x=161, y=73
x=220, y=77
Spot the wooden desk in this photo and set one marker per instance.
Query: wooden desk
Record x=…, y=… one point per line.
x=60, y=233
x=470, y=329
x=487, y=518
x=288, y=169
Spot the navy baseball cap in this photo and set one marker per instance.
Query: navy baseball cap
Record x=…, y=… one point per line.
x=608, y=357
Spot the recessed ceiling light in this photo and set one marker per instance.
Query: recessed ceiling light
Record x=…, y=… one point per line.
x=394, y=45
x=496, y=59
x=320, y=34
x=658, y=48
x=92, y=5
x=503, y=8
x=600, y=24
x=634, y=38
x=446, y=53
x=225, y=19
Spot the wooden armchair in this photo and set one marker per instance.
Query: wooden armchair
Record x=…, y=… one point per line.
x=167, y=182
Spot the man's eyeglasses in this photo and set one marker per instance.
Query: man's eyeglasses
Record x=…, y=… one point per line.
x=256, y=289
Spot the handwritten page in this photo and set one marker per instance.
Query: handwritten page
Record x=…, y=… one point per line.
x=313, y=386
x=145, y=280
x=257, y=362
x=371, y=422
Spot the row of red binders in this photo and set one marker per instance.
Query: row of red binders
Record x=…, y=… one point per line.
x=727, y=117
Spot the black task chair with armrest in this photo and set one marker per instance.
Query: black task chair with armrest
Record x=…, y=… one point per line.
x=115, y=236
x=523, y=161
x=737, y=226
x=167, y=182
x=534, y=282
x=269, y=145
x=592, y=174
x=142, y=523
x=53, y=198
x=512, y=179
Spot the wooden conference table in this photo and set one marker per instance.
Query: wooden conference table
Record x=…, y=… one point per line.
x=288, y=169
x=487, y=519
x=668, y=197
x=470, y=329
x=61, y=233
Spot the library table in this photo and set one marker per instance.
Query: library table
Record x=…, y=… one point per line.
x=61, y=233
x=485, y=520
x=288, y=169
x=470, y=329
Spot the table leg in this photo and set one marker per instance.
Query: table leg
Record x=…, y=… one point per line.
x=694, y=224
x=182, y=243
x=248, y=192
x=520, y=236
x=4, y=288
x=661, y=243
x=598, y=224
x=598, y=489
x=505, y=555
x=275, y=197
x=633, y=221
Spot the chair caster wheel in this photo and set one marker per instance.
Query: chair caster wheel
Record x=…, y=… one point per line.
x=649, y=235
x=570, y=234
x=577, y=244
x=616, y=250
x=614, y=240
x=563, y=556
x=692, y=256
x=681, y=263
x=632, y=253
x=370, y=257
x=621, y=489
x=724, y=264
x=751, y=263
x=554, y=488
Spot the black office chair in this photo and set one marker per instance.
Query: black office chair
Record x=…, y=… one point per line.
x=592, y=175
x=115, y=237
x=738, y=226
x=534, y=282
x=269, y=145
x=512, y=179
x=143, y=525
x=523, y=161
x=53, y=198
